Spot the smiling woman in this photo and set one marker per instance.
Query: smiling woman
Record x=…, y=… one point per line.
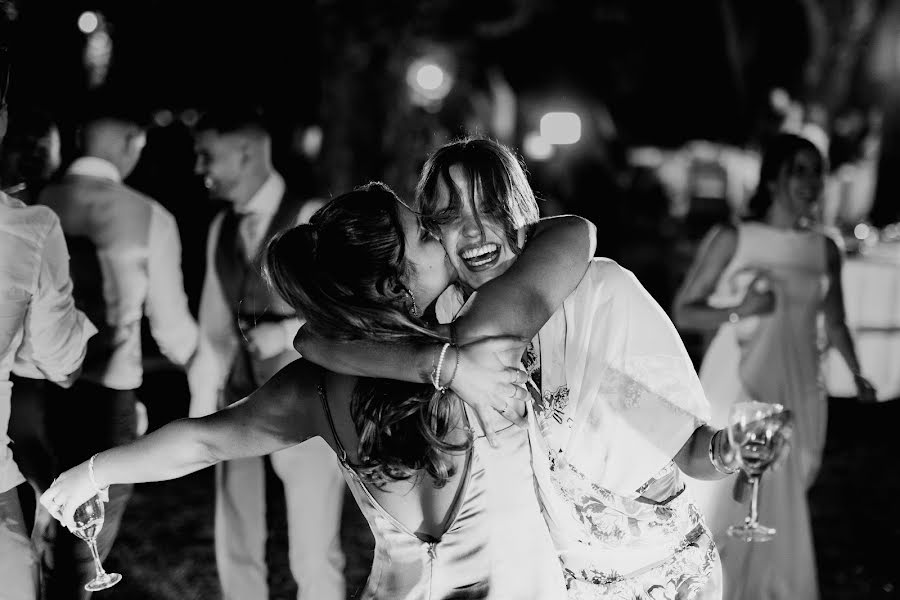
x=453, y=199
x=761, y=286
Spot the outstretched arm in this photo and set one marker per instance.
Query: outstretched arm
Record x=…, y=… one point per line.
x=281, y=413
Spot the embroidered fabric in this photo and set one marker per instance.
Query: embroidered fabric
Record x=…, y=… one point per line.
x=631, y=548
x=619, y=399
x=620, y=395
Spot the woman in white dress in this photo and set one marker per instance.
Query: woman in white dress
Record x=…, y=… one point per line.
x=763, y=285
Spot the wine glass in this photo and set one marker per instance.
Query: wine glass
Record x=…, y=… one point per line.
x=757, y=431
x=88, y=523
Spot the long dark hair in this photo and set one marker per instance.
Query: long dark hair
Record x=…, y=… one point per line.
x=342, y=273
x=507, y=195
x=779, y=151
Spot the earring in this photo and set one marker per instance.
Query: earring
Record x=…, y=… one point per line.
x=414, y=309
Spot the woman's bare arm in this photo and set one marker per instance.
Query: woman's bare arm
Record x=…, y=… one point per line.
x=836, y=322
x=522, y=300
x=694, y=457
x=283, y=412
x=691, y=309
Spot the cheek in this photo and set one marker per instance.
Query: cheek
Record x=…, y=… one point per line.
x=449, y=238
x=437, y=261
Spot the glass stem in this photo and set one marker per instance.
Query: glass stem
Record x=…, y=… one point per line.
x=92, y=544
x=753, y=519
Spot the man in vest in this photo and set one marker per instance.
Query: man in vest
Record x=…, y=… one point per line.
x=247, y=334
x=125, y=254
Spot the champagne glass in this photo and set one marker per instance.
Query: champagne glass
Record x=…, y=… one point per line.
x=88, y=523
x=757, y=431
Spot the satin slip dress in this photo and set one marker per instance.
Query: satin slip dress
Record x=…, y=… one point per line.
x=407, y=567
x=495, y=546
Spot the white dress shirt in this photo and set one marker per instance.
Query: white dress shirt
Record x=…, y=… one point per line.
x=138, y=278
x=41, y=331
x=218, y=340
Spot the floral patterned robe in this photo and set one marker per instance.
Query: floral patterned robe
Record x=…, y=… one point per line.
x=618, y=398
x=615, y=398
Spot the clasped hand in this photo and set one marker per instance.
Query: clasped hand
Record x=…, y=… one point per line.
x=491, y=380
x=759, y=299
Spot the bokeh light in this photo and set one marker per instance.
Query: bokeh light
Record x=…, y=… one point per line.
x=430, y=77
x=536, y=147
x=189, y=116
x=163, y=118
x=428, y=81
x=311, y=141
x=88, y=22
x=561, y=128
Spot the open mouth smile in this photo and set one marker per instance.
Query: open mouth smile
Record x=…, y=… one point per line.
x=480, y=257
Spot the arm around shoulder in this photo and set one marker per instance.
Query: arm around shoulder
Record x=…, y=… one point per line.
x=520, y=301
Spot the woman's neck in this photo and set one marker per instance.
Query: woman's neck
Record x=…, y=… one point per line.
x=781, y=217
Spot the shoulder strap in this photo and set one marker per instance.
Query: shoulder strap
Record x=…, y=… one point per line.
x=323, y=396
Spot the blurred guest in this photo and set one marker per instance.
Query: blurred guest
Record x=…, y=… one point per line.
x=762, y=284
x=247, y=332
x=31, y=155
x=126, y=262
x=45, y=335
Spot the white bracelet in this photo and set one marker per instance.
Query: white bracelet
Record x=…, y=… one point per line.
x=440, y=365
x=97, y=488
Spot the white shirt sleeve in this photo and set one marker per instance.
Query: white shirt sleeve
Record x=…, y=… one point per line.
x=218, y=341
x=55, y=332
x=171, y=323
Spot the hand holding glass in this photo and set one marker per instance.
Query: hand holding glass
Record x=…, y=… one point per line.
x=88, y=521
x=758, y=431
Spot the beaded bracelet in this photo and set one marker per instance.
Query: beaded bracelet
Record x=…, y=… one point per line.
x=437, y=372
x=455, y=369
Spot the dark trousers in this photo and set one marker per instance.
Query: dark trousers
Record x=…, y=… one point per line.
x=59, y=429
x=31, y=446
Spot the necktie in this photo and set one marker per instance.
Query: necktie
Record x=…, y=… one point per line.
x=248, y=229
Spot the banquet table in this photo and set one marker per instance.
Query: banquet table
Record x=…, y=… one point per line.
x=871, y=282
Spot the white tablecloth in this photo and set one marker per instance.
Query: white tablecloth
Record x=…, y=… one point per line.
x=872, y=302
